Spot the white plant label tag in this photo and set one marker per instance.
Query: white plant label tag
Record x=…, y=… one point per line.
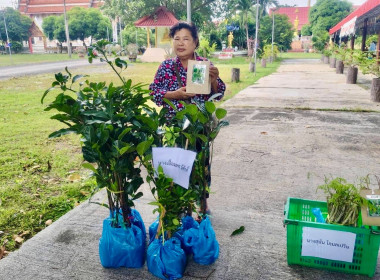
x=177, y=163
x=328, y=244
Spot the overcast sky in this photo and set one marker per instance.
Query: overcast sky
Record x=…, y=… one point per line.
x=301, y=3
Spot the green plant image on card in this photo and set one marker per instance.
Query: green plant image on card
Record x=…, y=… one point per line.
x=375, y=210
x=199, y=74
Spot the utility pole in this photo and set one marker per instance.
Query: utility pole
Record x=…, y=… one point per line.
x=121, y=36
x=188, y=11
x=6, y=32
x=67, y=29
x=273, y=33
x=256, y=33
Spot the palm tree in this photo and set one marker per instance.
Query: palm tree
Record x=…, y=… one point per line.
x=265, y=5
x=245, y=9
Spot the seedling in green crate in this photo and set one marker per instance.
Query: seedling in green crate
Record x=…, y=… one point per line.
x=344, y=200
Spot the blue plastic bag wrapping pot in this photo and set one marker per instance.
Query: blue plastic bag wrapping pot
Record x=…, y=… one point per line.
x=153, y=230
x=203, y=243
x=123, y=246
x=138, y=221
x=166, y=261
x=188, y=222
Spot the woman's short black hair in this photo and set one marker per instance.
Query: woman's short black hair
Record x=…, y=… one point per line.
x=189, y=26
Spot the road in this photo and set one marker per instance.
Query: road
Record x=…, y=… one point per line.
x=8, y=72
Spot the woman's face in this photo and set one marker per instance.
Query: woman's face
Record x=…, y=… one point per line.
x=184, y=44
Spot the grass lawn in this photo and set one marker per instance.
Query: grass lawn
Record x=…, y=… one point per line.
x=18, y=59
x=294, y=55
x=41, y=179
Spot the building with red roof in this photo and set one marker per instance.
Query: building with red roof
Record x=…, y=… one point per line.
x=161, y=20
x=362, y=21
x=39, y=9
x=161, y=17
x=300, y=14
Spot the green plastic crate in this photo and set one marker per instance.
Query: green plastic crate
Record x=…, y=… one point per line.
x=298, y=215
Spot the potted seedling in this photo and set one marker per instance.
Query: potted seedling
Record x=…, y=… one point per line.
x=341, y=53
x=267, y=53
x=194, y=128
x=334, y=53
x=166, y=257
x=327, y=53
x=132, y=52
x=108, y=118
x=353, y=59
x=370, y=65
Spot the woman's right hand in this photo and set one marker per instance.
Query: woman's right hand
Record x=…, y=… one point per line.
x=179, y=94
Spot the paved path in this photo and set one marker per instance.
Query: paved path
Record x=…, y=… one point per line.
x=263, y=157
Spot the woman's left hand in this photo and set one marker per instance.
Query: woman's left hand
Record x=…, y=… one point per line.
x=214, y=74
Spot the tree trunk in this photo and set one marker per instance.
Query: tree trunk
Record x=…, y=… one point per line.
x=271, y=59
x=251, y=67
x=352, y=75
x=264, y=62
x=322, y=57
x=235, y=75
x=247, y=36
x=332, y=62
x=339, y=67
x=327, y=60
x=375, y=90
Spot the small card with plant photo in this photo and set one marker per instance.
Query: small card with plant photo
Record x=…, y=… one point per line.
x=371, y=213
x=198, y=79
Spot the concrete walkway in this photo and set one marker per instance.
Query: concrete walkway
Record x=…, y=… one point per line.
x=263, y=157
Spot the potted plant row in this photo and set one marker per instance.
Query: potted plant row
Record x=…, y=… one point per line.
x=117, y=126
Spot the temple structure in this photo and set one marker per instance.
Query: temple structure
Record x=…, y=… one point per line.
x=161, y=20
x=298, y=17
x=37, y=10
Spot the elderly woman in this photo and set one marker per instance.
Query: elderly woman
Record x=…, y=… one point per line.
x=170, y=79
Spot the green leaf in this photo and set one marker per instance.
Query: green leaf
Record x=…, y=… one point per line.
x=67, y=71
x=210, y=107
x=154, y=203
x=45, y=93
x=238, y=231
x=128, y=84
x=120, y=63
x=170, y=104
x=143, y=147
x=77, y=77
x=192, y=109
x=61, y=132
x=175, y=222
x=220, y=113
x=90, y=166
x=202, y=118
x=125, y=131
x=202, y=137
x=124, y=149
x=138, y=195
